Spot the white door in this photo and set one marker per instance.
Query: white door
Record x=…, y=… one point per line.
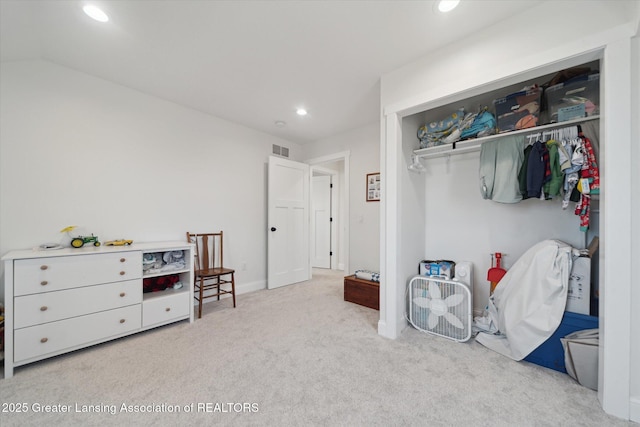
x=321, y=221
x=288, y=223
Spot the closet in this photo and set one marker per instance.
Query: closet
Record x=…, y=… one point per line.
x=440, y=212
x=458, y=223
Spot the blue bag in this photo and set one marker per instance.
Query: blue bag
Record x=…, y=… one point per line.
x=484, y=124
x=436, y=133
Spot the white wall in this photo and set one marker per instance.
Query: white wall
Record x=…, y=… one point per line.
x=78, y=150
x=635, y=297
x=473, y=60
x=484, y=63
x=462, y=226
x=364, y=147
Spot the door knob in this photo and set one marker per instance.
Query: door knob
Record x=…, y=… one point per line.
x=273, y=229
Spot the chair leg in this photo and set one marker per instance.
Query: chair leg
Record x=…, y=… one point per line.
x=233, y=290
x=200, y=300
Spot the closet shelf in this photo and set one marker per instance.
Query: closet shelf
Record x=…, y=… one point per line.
x=471, y=145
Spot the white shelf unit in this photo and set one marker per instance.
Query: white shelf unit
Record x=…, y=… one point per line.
x=58, y=301
x=165, y=294
x=475, y=144
x=168, y=305
x=165, y=273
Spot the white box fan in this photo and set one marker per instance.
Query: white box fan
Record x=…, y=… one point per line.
x=443, y=307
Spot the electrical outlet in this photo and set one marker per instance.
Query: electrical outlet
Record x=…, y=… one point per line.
x=243, y=266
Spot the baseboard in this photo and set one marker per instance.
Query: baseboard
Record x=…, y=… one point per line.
x=634, y=409
x=382, y=329
x=392, y=333
x=251, y=286
x=403, y=324
x=240, y=289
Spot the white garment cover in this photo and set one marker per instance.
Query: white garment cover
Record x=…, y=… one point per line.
x=527, y=306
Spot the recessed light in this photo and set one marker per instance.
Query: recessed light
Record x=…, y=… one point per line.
x=95, y=13
x=445, y=6
x=280, y=123
x=301, y=112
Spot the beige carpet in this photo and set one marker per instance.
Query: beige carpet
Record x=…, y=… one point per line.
x=298, y=355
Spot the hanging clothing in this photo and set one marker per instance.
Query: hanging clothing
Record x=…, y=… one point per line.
x=564, y=155
x=582, y=210
x=538, y=169
x=591, y=130
x=590, y=170
x=589, y=182
x=500, y=161
x=522, y=175
x=553, y=187
x=572, y=174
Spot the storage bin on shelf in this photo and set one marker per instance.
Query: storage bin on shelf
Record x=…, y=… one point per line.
x=578, y=97
x=520, y=110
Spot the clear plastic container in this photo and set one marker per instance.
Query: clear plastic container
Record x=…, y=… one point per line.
x=575, y=98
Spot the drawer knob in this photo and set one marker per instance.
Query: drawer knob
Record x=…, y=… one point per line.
x=43, y=308
x=123, y=259
x=44, y=283
x=44, y=340
x=122, y=273
x=122, y=294
x=167, y=309
x=122, y=320
x=43, y=267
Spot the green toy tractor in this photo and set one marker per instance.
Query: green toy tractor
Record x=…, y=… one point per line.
x=78, y=242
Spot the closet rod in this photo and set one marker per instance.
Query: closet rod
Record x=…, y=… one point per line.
x=551, y=132
x=471, y=145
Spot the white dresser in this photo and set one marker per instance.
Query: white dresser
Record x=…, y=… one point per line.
x=58, y=301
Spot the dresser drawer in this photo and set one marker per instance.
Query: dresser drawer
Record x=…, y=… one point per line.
x=40, y=340
x=164, y=308
x=47, y=307
x=55, y=273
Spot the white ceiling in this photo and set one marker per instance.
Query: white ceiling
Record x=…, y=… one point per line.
x=250, y=62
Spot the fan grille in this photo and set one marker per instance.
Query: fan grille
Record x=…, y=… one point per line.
x=440, y=307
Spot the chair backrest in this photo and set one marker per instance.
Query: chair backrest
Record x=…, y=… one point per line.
x=208, y=249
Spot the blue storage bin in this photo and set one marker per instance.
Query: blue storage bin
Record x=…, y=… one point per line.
x=550, y=353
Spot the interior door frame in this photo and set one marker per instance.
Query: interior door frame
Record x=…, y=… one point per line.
x=344, y=156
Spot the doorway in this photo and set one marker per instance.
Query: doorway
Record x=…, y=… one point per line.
x=333, y=169
x=324, y=217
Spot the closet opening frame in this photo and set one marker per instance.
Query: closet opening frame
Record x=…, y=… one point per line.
x=398, y=246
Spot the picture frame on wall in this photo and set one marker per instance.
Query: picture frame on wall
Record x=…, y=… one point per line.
x=373, y=187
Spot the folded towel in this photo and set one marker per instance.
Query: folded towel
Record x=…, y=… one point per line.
x=368, y=275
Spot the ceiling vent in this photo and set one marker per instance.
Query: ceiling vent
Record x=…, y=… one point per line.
x=280, y=151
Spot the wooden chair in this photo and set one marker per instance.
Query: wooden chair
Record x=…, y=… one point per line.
x=210, y=272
